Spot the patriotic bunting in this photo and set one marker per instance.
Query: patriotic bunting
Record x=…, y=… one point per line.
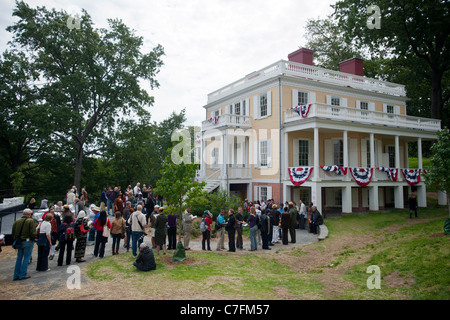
x=362, y=176
x=391, y=173
x=336, y=169
x=299, y=175
x=412, y=175
x=214, y=120
x=302, y=110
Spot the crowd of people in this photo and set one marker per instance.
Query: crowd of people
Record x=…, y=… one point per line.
x=68, y=228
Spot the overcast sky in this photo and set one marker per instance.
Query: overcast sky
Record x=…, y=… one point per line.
x=208, y=43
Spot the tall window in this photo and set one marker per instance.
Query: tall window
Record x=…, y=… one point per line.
x=303, y=152
x=237, y=108
x=391, y=151
x=263, y=153
x=390, y=108
x=335, y=101
x=263, y=193
x=338, y=153
x=263, y=104
x=302, y=98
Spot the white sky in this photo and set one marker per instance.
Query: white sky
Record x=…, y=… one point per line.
x=208, y=43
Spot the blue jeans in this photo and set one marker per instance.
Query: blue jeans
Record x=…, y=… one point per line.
x=253, y=242
x=23, y=259
x=109, y=204
x=135, y=235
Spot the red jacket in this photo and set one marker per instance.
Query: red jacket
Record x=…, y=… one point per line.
x=99, y=227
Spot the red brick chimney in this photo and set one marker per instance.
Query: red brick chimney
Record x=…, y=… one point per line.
x=302, y=55
x=353, y=66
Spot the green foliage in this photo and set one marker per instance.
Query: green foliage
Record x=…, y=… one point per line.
x=90, y=77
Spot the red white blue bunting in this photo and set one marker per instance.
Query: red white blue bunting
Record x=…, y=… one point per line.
x=391, y=173
x=299, y=175
x=214, y=120
x=362, y=176
x=412, y=176
x=336, y=169
x=302, y=110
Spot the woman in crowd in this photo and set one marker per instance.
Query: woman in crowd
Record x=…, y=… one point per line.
x=100, y=240
x=81, y=232
x=252, y=223
x=118, y=231
x=206, y=235
x=44, y=242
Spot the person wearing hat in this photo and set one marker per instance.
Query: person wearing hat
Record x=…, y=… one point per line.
x=24, y=234
x=206, y=235
x=81, y=230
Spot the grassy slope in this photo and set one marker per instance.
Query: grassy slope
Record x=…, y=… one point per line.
x=414, y=265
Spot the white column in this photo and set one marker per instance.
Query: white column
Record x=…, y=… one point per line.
x=316, y=196
x=422, y=195
x=372, y=150
x=316, y=155
x=419, y=153
x=397, y=151
x=406, y=155
x=398, y=196
x=442, y=198
x=345, y=148
x=373, y=198
x=347, y=199
x=286, y=156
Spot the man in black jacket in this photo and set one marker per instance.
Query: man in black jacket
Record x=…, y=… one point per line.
x=145, y=260
x=231, y=230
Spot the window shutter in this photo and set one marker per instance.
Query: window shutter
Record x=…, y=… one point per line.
x=358, y=104
x=256, y=154
x=343, y=102
x=294, y=97
x=311, y=97
x=255, y=107
x=247, y=107
x=371, y=106
x=384, y=107
x=364, y=153
x=269, y=193
x=269, y=103
x=329, y=159
x=328, y=99
x=397, y=109
x=269, y=153
x=295, y=151
x=256, y=193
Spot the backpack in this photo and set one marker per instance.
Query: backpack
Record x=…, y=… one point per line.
x=203, y=225
x=69, y=233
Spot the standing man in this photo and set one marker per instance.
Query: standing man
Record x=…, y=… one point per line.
x=138, y=224
x=187, y=227
x=221, y=231
x=25, y=230
x=238, y=226
x=126, y=215
x=230, y=226
x=293, y=221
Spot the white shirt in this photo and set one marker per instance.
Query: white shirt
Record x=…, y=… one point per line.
x=45, y=227
x=303, y=210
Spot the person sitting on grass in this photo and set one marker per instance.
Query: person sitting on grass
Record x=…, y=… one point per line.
x=145, y=261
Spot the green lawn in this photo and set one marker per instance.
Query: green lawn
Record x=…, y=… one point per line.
x=414, y=264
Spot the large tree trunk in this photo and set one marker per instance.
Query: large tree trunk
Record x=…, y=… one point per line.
x=78, y=167
x=436, y=94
